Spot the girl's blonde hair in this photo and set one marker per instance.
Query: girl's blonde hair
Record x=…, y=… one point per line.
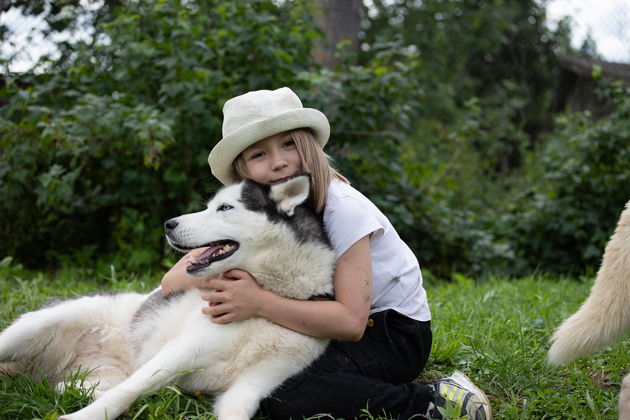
x=314, y=161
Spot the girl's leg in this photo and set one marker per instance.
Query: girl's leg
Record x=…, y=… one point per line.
x=373, y=373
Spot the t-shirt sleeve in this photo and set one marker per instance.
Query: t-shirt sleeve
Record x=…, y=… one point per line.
x=348, y=220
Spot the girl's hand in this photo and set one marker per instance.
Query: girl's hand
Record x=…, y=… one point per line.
x=235, y=296
x=177, y=278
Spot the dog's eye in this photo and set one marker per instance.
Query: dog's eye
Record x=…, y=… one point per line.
x=224, y=207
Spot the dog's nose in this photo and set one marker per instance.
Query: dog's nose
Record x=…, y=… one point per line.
x=169, y=225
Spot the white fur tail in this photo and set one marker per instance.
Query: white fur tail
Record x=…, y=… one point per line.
x=605, y=315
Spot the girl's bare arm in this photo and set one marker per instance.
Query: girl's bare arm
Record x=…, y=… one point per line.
x=237, y=296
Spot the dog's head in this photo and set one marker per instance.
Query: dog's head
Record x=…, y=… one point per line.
x=239, y=221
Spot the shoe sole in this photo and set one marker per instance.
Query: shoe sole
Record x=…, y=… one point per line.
x=468, y=384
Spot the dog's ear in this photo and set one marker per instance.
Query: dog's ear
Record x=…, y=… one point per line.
x=291, y=193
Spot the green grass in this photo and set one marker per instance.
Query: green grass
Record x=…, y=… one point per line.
x=496, y=331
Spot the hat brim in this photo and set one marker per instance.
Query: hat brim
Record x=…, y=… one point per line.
x=223, y=154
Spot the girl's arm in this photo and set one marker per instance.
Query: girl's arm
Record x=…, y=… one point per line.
x=237, y=296
x=177, y=278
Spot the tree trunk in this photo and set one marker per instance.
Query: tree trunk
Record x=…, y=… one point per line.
x=339, y=21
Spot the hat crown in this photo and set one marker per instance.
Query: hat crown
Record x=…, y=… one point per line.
x=257, y=106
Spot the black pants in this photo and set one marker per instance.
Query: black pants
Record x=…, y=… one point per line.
x=373, y=373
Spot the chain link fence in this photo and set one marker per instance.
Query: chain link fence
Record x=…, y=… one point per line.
x=605, y=22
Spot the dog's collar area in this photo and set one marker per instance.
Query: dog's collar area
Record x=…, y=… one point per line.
x=326, y=296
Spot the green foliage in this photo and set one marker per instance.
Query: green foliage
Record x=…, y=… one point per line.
x=63, y=176
x=117, y=135
x=440, y=121
x=493, y=50
x=577, y=191
x=113, y=139
x=459, y=187
x=487, y=73
x=554, y=214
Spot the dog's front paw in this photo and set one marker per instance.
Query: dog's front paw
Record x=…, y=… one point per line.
x=72, y=416
x=234, y=412
x=91, y=412
x=77, y=415
x=241, y=415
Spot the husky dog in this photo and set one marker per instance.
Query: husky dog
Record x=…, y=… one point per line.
x=605, y=315
x=131, y=343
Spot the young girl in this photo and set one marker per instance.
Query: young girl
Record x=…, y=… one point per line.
x=379, y=320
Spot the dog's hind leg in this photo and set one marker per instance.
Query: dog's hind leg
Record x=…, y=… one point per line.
x=242, y=399
x=174, y=359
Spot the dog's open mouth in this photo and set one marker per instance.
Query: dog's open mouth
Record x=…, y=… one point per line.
x=216, y=251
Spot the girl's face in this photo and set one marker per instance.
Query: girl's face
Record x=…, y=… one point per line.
x=273, y=159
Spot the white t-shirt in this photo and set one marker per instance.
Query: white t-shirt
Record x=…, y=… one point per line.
x=396, y=276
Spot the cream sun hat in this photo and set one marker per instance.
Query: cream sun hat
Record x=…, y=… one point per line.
x=256, y=115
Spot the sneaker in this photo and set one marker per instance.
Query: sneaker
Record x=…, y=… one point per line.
x=457, y=397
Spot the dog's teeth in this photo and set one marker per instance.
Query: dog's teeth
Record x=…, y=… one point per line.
x=225, y=249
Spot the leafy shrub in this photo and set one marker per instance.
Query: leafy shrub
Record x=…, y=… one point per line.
x=454, y=172
x=577, y=191
x=553, y=214
x=113, y=138
x=102, y=145
x=64, y=180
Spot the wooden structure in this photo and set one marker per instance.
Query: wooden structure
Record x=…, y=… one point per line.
x=577, y=89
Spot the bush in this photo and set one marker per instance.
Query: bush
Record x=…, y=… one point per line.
x=579, y=185
x=113, y=139
x=100, y=146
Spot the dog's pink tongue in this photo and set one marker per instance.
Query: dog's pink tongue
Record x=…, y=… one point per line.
x=207, y=253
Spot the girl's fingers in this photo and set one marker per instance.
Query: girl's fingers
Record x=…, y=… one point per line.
x=217, y=315
x=212, y=297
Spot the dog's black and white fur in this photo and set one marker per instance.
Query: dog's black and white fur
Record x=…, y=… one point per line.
x=131, y=343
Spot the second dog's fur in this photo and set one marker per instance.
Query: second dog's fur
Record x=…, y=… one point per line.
x=605, y=316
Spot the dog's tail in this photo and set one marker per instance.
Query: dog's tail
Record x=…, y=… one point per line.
x=605, y=315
